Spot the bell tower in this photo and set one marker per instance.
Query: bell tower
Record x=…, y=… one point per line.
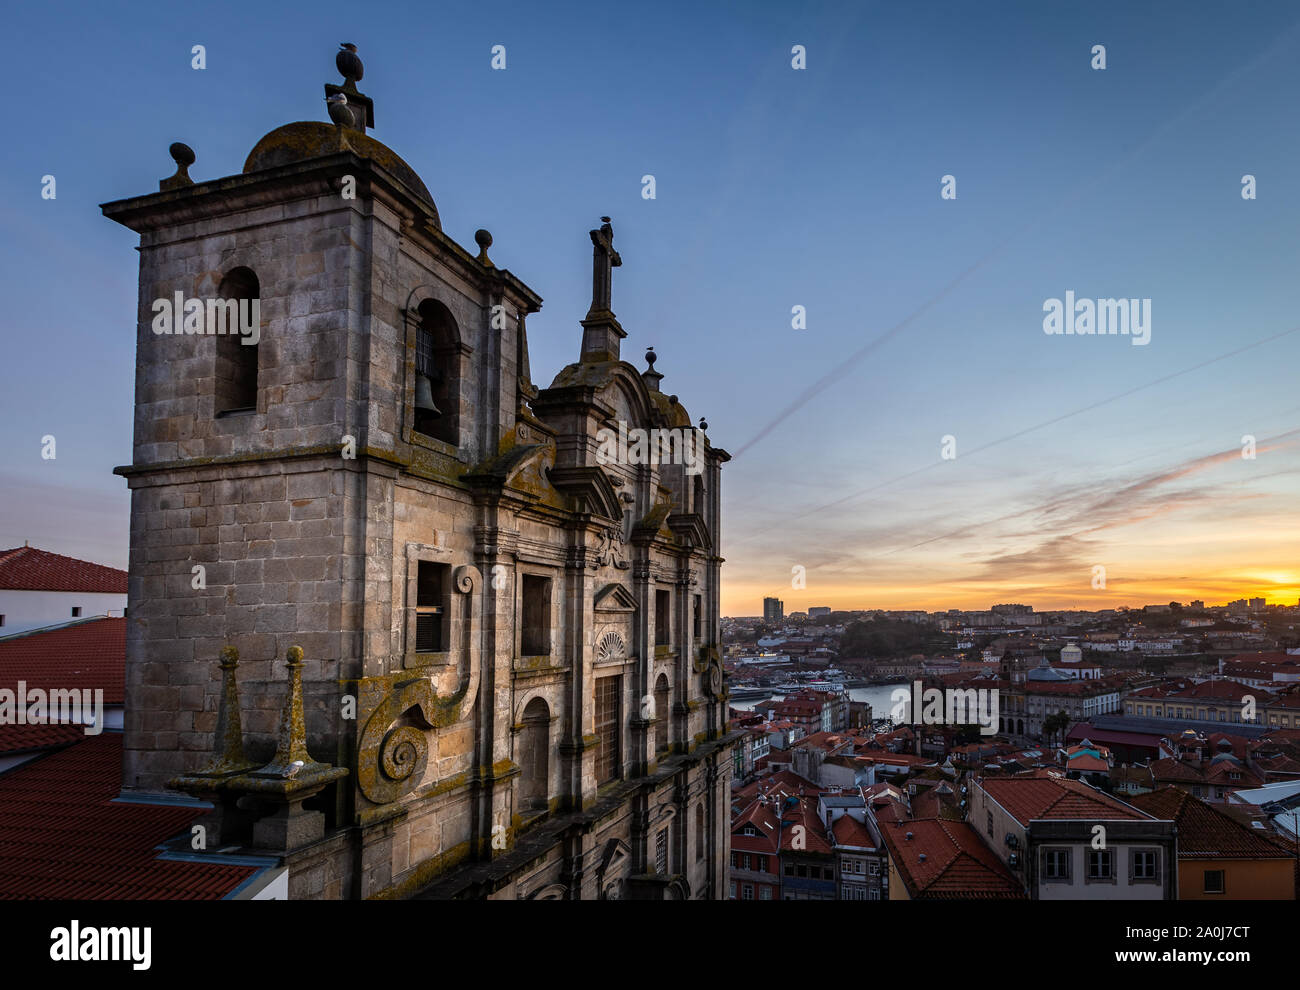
x=387, y=610
x=265, y=454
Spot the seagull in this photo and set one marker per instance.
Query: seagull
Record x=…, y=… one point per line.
x=294, y=767
x=340, y=112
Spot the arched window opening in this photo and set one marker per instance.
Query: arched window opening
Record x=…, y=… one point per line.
x=234, y=312
x=534, y=744
x=437, y=374
x=661, y=714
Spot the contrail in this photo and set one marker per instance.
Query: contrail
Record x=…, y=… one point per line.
x=849, y=363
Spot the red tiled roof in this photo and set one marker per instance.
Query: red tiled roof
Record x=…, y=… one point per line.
x=849, y=831
x=1263, y=658
x=1204, y=832
x=1087, y=763
x=1230, y=690
x=30, y=569
x=62, y=837
x=812, y=838
x=86, y=655
x=25, y=738
x=1082, y=730
x=1037, y=796
x=956, y=865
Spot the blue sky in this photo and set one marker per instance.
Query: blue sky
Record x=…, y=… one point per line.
x=775, y=188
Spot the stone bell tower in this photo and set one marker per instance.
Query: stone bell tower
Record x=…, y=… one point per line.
x=369, y=557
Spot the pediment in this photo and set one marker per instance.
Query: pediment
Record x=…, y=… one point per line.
x=614, y=598
x=690, y=529
x=591, y=488
x=617, y=854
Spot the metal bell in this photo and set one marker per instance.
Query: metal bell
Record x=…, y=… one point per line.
x=424, y=395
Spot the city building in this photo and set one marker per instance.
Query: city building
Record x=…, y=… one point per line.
x=1219, y=858
x=773, y=610
x=936, y=859
x=1043, y=827
x=39, y=589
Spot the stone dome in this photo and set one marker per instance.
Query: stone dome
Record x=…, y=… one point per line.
x=309, y=139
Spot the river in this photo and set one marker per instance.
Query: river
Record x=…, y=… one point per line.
x=878, y=696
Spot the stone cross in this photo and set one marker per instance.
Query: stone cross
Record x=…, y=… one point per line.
x=603, y=260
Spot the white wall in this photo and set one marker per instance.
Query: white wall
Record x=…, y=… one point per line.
x=27, y=610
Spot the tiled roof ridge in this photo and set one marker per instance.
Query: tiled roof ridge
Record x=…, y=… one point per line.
x=29, y=568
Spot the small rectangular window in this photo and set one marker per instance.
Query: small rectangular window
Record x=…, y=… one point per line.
x=663, y=607
x=76, y=611
x=536, y=638
x=1099, y=864
x=1144, y=866
x=1214, y=883
x=697, y=624
x=430, y=607
x=1056, y=865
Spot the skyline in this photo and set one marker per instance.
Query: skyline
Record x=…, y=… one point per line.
x=778, y=188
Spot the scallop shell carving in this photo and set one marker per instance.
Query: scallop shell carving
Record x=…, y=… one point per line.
x=610, y=647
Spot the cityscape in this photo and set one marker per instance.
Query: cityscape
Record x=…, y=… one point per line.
x=1178, y=720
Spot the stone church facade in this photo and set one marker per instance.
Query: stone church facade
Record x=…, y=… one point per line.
x=391, y=610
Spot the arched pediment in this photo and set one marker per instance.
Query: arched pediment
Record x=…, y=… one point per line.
x=591, y=488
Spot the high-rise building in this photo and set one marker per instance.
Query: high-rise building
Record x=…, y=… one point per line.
x=773, y=610
x=503, y=667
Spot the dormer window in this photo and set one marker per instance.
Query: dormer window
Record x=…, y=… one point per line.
x=437, y=374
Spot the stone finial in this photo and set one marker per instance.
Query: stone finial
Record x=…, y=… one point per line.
x=183, y=156
x=228, y=741
x=291, y=743
x=483, y=238
x=359, y=107
x=349, y=65
x=704, y=423
x=290, y=779
x=651, y=377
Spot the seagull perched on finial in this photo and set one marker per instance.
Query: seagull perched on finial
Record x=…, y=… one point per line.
x=340, y=112
x=349, y=63
x=294, y=767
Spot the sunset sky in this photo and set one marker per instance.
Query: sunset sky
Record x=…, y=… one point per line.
x=775, y=188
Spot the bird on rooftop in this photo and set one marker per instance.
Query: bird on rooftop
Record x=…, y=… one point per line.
x=339, y=110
